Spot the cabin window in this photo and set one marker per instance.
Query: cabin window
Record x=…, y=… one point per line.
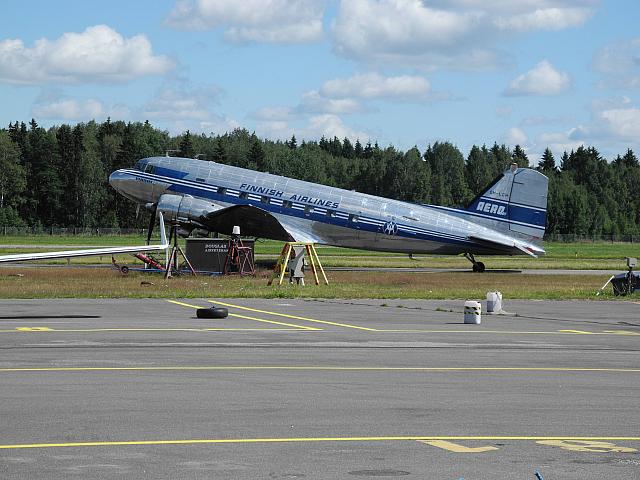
x=222, y=191
x=353, y=218
x=287, y=204
x=149, y=168
x=200, y=180
x=244, y=195
x=264, y=199
x=139, y=166
x=308, y=210
x=331, y=213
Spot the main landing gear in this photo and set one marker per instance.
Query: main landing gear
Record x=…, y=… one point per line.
x=477, y=266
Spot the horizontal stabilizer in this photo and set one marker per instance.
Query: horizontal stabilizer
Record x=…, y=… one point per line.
x=507, y=247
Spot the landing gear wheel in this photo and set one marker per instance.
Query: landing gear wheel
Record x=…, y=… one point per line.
x=477, y=266
x=124, y=269
x=213, y=312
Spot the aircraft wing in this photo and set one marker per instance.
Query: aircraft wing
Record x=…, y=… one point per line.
x=512, y=247
x=21, y=257
x=256, y=222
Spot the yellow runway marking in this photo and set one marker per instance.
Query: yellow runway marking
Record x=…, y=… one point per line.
x=320, y=369
x=311, y=440
x=306, y=319
x=454, y=447
x=301, y=327
x=88, y=330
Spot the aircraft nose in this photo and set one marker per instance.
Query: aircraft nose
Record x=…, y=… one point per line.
x=118, y=180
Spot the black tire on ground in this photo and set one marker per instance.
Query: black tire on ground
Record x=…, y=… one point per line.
x=479, y=267
x=124, y=269
x=213, y=312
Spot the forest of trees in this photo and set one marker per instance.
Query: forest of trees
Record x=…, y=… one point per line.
x=57, y=177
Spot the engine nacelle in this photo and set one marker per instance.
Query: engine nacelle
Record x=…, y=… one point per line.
x=186, y=211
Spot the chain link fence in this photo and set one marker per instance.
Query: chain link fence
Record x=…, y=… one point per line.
x=80, y=231
x=141, y=232
x=574, y=238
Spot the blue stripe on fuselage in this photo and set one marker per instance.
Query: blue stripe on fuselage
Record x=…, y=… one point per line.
x=209, y=191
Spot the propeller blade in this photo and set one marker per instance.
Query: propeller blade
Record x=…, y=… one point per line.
x=152, y=222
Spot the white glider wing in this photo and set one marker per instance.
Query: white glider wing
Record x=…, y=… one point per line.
x=22, y=257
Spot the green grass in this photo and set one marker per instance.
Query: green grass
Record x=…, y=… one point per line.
x=573, y=256
x=107, y=283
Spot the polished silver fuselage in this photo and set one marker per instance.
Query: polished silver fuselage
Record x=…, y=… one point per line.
x=322, y=214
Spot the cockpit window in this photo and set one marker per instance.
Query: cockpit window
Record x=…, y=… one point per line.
x=149, y=168
x=139, y=166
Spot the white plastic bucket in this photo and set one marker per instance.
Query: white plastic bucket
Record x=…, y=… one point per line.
x=494, y=302
x=472, y=312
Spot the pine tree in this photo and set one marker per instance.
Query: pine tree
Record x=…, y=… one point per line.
x=256, y=155
x=293, y=143
x=368, y=150
x=186, y=149
x=357, y=149
x=520, y=157
x=547, y=163
x=219, y=153
x=347, y=149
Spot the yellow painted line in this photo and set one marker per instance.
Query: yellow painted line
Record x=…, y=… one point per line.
x=306, y=319
x=621, y=332
x=88, y=330
x=457, y=448
x=318, y=368
x=300, y=327
x=309, y=440
x=504, y=332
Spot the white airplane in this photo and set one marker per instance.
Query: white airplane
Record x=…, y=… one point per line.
x=508, y=218
x=22, y=257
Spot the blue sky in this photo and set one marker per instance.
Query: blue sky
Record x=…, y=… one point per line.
x=539, y=73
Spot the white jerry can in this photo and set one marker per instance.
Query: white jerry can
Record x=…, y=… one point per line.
x=472, y=312
x=494, y=302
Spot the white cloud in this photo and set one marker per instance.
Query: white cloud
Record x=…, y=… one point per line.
x=374, y=85
x=55, y=105
x=181, y=103
x=554, y=18
x=504, y=111
x=619, y=64
x=273, y=114
x=311, y=128
x=543, y=79
x=541, y=120
x=314, y=102
x=614, y=126
x=270, y=21
x=99, y=54
x=331, y=126
x=461, y=34
x=70, y=109
x=515, y=136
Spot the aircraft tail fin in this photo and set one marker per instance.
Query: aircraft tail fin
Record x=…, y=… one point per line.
x=515, y=203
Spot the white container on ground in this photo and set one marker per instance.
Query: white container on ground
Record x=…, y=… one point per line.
x=472, y=312
x=494, y=302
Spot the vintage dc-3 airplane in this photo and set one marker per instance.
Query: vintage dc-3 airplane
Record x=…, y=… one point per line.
x=508, y=218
